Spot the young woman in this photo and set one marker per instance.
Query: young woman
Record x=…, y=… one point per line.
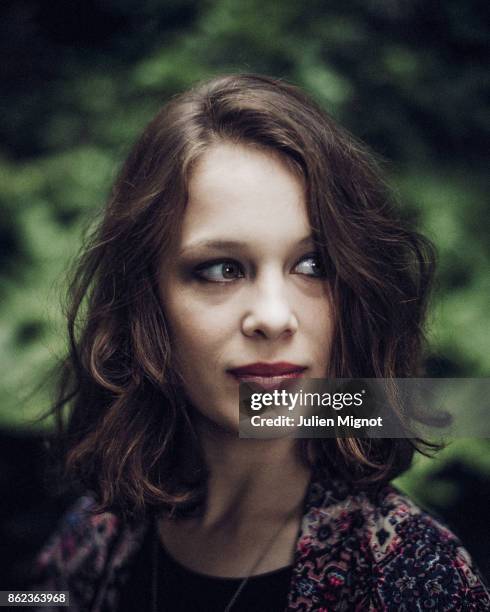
x=248, y=237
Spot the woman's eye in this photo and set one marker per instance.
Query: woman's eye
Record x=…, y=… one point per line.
x=310, y=266
x=220, y=272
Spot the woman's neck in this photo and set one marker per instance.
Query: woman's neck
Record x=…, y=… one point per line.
x=251, y=479
x=254, y=504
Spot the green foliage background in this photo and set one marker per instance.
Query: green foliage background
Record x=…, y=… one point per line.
x=81, y=79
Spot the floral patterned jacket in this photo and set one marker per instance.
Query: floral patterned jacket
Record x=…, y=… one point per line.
x=355, y=552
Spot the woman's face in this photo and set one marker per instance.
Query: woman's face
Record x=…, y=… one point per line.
x=244, y=285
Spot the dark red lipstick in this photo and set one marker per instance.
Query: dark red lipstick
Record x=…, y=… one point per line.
x=268, y=376
x=267, y=369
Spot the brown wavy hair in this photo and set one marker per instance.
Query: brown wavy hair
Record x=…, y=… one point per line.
x=127, y=424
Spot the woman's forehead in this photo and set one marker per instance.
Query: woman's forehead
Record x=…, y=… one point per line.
x=238, y=193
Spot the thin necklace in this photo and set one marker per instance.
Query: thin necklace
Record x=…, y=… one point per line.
x=243, y=583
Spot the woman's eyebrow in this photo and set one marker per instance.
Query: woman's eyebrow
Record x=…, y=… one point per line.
x=224, y=245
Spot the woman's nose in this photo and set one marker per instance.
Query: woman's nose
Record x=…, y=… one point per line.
x=269, y=314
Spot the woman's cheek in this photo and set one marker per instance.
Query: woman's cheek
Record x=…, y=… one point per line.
x=198, y=336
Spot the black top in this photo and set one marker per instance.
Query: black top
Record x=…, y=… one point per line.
x=182, y=590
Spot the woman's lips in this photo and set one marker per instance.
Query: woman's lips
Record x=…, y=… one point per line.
x=270, y=383
x=268, y=376
x=261, y=368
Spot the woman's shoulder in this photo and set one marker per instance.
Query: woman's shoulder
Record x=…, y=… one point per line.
x=380, y=546
x=81, y=531
x=383, y=517
x=84, y=546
